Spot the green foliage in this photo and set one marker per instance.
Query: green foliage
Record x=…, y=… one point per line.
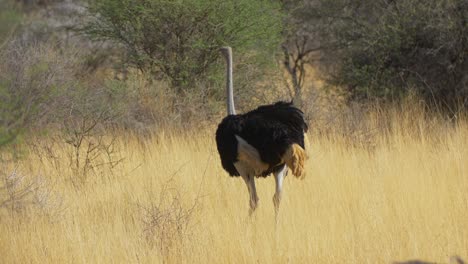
x=20, y=100
x=32, y=79
x=384, y=49
x=8, y=127
x=180, y=39
x=9, y=19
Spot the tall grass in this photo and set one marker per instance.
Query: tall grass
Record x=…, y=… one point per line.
x=397, y=192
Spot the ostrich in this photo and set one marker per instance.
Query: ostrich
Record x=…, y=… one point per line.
x=269, y=139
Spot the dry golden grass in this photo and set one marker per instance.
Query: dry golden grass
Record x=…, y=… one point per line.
x=404, y=196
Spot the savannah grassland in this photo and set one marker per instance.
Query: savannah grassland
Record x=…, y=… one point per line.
x=398, y=192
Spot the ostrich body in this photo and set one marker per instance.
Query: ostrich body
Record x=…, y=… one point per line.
x=264, y=141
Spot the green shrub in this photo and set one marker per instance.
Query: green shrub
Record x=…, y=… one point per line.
x=9, y=19
x=179, y=40
x=383, y=49
x=35, y=79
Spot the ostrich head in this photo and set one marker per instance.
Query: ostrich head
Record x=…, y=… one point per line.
x=227, y=52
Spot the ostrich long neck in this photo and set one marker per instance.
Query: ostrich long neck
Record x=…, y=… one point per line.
x=229, y=87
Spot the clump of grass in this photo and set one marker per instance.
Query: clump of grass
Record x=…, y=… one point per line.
x=169, y=222
x=20, y=195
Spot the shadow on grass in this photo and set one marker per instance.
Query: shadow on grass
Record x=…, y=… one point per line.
x=453, y=260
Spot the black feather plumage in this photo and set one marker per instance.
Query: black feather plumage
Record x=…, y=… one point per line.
x=270, y=129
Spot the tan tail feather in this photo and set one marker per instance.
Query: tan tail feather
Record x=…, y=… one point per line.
x=295, y=158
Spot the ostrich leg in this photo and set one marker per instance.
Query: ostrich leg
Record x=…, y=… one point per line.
x=279, y=177
x=250, y=181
